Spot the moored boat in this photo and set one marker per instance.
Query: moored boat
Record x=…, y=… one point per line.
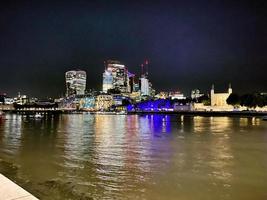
x=105, y=113
x=123, y=112
x=38, y=116
x=264, y=118
x=110, y=112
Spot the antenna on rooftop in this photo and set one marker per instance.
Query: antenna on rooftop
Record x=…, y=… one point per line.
x=146, y=63
x=142, y=69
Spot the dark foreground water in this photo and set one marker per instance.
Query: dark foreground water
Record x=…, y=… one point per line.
x=136, y=157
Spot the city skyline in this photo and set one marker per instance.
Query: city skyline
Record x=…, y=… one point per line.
x=189, y=44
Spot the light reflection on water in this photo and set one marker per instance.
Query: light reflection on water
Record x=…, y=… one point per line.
x=136, y=157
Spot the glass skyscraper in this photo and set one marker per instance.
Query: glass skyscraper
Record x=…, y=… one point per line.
x=75, y=82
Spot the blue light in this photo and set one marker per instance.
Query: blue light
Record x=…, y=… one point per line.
x=151, y=105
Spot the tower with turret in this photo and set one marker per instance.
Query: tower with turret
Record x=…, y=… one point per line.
x=230, y=91
x=219, y=99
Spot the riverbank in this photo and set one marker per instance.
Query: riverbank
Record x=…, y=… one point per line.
x=10, y=190
x=204, y=113
x=193, y=113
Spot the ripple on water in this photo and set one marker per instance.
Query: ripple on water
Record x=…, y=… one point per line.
x=137, y=157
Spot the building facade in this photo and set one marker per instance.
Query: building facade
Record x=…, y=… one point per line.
x=87, y=103
x=219, y=99
x=144, y=86
x=115, y=77
x=104, y=102
x=75, y=82
x=107, y=81
x=195, y=94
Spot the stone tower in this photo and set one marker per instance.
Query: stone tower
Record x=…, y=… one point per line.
x=230, y=91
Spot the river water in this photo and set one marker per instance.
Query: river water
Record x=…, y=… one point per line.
x=83, y=156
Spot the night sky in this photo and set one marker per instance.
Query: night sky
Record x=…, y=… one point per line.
x=189, y=44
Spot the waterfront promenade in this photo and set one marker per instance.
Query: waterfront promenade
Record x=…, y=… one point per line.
x=193, y=113
x=204, y=113
x=11, y=191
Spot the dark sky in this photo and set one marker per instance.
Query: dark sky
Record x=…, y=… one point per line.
x=190, y=44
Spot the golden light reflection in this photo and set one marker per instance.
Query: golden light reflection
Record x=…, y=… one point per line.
x=12, y=133
x=218, y=146
x=243, y=121
x=220, y=125
x=256, y=121
x=249, y=121
x=109, y=139
x=199, y=124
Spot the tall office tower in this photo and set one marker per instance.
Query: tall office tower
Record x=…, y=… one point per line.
x=75, y=82
x=115, y=77
x=144, y=86
x=107, y=81
x=131, y=82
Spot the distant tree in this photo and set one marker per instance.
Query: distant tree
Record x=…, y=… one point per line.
x=180, y=101
x=248, y=100
x=253, y=100
x=260, y=100
x=114, y=91
x=265, y=100
x=233, y=99
x=125, y=102
x=205, y=99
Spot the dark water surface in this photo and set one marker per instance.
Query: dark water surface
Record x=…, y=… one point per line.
x=87, y=156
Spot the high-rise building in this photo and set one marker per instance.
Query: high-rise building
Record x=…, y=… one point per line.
x=131, y=82
x=107, y=81
x=115, y=77
x=75, y=82
x=144, y=86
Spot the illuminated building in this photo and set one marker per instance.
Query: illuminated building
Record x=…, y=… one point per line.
x=75, y=82
x=219, y=99
x=107, y=81
x=135, y=96
x=195, y=94
x=115, y=77
x=144, y=86
x=136, y=87
x=151, y=105
x=21, y=99
x=104, y=102
x=176, y=95
x=4, y=99
x=117, y=100
x=131, y=82
x=162, y=95
x=8, y=100
x=68, y=103
x=172, y=95
x=87, y=103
